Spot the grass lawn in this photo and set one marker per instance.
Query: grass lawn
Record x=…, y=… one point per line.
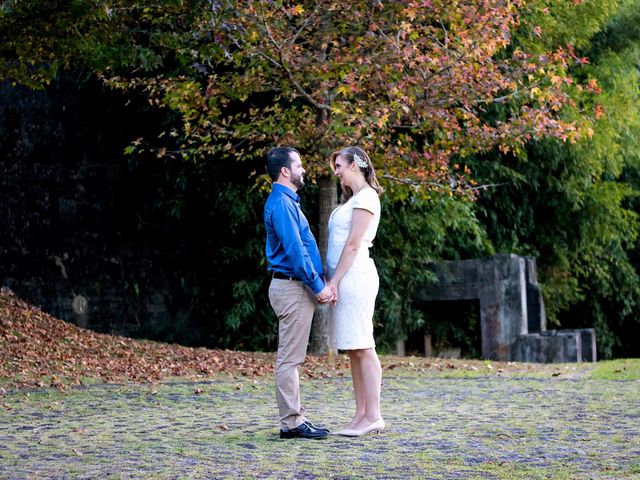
x=446, y=419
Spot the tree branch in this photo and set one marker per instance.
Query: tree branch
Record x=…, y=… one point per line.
x=439, y=186
x=306, y=95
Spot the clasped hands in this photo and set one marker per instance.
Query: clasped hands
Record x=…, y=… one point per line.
x=329, y=294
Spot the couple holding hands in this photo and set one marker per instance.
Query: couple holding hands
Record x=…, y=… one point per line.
x=350, y=284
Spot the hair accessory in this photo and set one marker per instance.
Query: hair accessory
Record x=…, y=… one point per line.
x=359, y=161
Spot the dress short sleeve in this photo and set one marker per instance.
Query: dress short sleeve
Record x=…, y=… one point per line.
x=367, y=200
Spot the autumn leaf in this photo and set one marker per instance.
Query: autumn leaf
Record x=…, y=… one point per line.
x=64, y=353
x=397, y=79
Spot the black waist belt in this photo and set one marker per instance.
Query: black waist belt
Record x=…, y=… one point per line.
x=282, y=276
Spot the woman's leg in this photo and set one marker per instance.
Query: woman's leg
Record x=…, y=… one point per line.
x=358, y=388
x=371, y=379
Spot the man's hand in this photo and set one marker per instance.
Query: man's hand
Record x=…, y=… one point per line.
x=325, y=296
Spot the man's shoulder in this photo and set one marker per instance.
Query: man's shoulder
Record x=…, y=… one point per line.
x=279, y=201
x=277, y=196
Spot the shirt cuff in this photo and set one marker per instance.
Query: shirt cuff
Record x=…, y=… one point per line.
x=317, y=286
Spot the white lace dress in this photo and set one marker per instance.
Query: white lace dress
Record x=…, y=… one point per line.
x=352, y=317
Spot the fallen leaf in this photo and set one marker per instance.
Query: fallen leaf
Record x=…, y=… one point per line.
x=35, y=345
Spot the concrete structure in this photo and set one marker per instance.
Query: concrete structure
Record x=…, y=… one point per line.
x=512, y=317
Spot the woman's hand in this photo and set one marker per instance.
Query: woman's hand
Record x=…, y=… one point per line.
x=334, y=290
x=325, y=296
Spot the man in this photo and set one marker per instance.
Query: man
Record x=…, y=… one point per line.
x=298, y=281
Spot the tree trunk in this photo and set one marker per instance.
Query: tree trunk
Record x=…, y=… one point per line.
x=321, y=342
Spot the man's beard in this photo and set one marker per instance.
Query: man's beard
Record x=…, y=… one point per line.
x=297, y=180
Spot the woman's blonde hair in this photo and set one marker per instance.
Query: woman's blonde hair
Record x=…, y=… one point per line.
x=368, y=170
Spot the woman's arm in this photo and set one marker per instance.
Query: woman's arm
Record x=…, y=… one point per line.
x=359, y=223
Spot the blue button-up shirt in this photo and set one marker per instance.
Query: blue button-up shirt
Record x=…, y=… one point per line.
x=291, y=247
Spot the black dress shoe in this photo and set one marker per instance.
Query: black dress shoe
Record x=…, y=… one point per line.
x=303, y=431
x=316, y=427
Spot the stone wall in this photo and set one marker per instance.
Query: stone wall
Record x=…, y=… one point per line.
x=70, y=240
x=512, y=316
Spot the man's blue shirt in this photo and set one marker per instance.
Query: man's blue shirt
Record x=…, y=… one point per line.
x=291, y=247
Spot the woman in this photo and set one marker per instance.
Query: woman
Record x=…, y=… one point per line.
x=354, y=279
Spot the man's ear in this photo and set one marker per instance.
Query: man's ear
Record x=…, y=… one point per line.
x=285, y=172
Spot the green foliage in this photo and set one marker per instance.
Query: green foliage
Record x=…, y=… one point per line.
x=561, y=22
x=412, y=233
x=422, y=87
x=39, y=39
x=221, y=255
x=621, y=33
x=570, y=205
x=408, y=82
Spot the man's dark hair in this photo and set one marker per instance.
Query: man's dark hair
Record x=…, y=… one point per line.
x=277, y=158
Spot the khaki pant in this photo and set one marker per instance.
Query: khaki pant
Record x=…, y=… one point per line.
x=294, y=304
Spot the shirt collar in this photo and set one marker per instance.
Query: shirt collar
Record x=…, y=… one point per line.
x=287, y=191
